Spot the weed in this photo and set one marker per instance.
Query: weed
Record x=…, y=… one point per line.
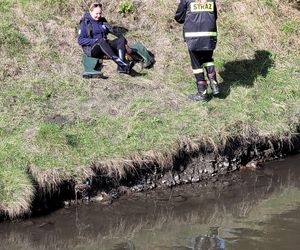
x=11, y=38
x=60, y=5
x=126, y=7
x=5, y=6
x=289, y=27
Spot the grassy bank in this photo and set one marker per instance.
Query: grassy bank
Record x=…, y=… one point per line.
x=54, y=125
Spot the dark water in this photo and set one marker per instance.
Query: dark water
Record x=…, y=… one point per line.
x=260, y=211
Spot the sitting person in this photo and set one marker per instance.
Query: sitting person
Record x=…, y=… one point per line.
x=92, y=36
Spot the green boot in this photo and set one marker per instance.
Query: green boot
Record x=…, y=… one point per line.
x=91, y=66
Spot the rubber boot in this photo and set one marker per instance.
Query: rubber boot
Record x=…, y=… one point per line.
x=123, y=67
x=214, y=86
x=213, y=83
x=202, y=92
x=91, y=66
x=121, y=54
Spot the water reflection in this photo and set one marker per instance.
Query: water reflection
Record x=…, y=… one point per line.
x=261, y=211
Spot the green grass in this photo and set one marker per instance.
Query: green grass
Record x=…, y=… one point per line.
x=55, y=124
x=11, y=38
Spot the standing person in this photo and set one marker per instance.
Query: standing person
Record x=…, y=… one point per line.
x=200, y=34
x=92, y=36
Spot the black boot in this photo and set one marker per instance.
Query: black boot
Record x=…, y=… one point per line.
x=202, y=92
x=211, y=75
x=214, y=86
x=123, y=67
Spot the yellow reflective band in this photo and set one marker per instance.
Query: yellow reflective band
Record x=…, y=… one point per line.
x=198, y=71
x=199, y=34
x=202, y=7
x=208, y=64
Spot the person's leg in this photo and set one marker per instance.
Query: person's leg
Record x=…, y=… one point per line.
x=102, y=47
x=208, y=63
x=119, y=45
x=199, y=75
x=105, y=46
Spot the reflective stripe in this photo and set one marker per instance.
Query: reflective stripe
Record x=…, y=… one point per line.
x=208, y=64
x=199, y=34
x=202, y=7
x=198, y=71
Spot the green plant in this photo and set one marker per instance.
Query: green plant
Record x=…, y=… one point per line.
x=289, y=27
x=5, y=5
x=11, y=38
x=126, y=7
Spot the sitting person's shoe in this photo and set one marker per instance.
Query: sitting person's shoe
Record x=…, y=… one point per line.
x=202, y=97
x=214, y=87
x=126, y=69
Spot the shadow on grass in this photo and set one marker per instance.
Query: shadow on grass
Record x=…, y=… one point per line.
x=244, y=72
x=135, y=73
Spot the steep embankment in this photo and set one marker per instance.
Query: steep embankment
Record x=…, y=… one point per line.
x=58, y=128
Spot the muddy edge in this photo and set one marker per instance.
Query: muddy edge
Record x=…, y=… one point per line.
x=206, y=167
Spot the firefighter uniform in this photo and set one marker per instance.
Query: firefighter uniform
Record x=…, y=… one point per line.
x=200, y=34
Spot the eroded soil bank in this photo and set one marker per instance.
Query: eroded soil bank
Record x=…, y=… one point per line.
x=261, y=210
x=207, y=167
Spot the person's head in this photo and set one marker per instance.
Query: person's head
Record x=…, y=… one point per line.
x=96, y=10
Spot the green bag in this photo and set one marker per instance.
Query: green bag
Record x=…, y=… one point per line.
x=140, y=53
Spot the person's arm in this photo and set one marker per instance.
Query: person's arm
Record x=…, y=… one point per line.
x=216, y=11
x=83, y=38
x=181, y=12
x=111, y=29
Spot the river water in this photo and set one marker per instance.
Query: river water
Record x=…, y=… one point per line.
x=259, y=211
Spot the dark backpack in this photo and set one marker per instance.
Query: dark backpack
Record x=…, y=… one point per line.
x=88, y=25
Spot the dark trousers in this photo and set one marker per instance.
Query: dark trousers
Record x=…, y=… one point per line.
x=108, y=47
x=201, y=60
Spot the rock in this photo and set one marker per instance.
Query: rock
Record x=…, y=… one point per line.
x=195, y=179
x=254, y=164
x=226, y=164
x=177, y=179
x=164, y=181
x=185, y=179
x=103, y=198
x=210, y=170
x=234, y=167
x=123, y=190
x=114, y=194
x=67, y=204
x=138, y=188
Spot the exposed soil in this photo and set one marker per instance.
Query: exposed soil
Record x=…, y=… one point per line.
x=206, y=167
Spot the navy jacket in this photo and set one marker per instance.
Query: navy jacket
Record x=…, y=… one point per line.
x=200, y=27
x=91, y=31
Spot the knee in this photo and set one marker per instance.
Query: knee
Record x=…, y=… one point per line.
x=101, y=41
x=122, y=40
